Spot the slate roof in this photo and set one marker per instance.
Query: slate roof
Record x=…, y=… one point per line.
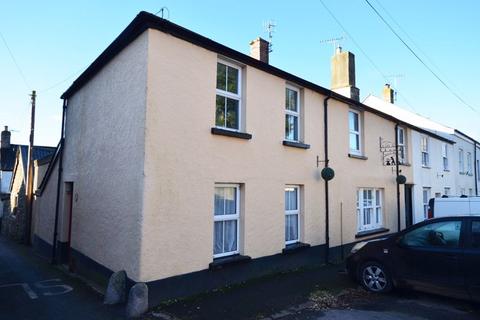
x=38, y=153
x=7, y=157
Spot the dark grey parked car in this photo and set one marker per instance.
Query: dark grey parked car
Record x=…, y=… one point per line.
x=440, y=256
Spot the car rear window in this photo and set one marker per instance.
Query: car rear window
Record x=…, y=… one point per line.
x=439, y=234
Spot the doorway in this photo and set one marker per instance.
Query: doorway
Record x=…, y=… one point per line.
x=408, y=205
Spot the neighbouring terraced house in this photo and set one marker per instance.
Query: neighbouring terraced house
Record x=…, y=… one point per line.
x=191, y=165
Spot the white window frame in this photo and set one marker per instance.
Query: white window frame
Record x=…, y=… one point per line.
x=426, y=191
x=362, y=226
x=229, y=217
x=231, y=95
x=402, y=146
x=446, y=191
x=424, y=146
x=357, y=133
x=469, y=164
x=445, y=156
x=461, y=161
x=294, y=113
x=294, y=212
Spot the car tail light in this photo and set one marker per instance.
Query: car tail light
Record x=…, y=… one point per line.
x=429, y=213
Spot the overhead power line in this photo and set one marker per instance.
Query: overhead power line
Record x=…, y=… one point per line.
x=22, y=75
x=384, y=76
x=420, y=59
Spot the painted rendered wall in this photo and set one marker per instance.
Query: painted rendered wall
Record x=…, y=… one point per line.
x=433, y=176
x=44, y=208
x=103, y=157
x=183, y=160
x=463, y=180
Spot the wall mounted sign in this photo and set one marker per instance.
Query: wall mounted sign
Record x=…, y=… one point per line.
x=389, y=152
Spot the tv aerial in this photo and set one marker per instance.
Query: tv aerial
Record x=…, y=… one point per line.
x=334, y=41
x=269, y=27
x=162, y=13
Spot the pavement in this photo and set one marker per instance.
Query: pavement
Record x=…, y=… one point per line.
x=31, y=288
x=324, y=293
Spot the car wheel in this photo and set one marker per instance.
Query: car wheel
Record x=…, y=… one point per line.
x=374, y=277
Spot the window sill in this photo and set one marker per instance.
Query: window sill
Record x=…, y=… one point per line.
x=371, y=232
x=296, y=144
x=446, y=170
x=295, y=247
x=357, y=156
x=229, y=133
x=462, y=173
x=220, y=263
x=406, y=164
x=426, y=167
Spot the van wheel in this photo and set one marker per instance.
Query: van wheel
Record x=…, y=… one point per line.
x=375, y=277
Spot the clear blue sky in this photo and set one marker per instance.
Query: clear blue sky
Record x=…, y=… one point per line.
x=56, y=40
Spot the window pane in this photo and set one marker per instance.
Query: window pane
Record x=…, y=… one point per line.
x=291, y=98
x=353, y=121
x=291, y=127
x=230, y=238
x=218, y=237
x=219, y=201
x=440, y=234
x=221, y=76
x=291, y=227
x=220, y=112
x=377, y=197
x=232, y=113
x=378, y=214
x=354, y=141
x=230, y=201
x=232, y=82
x=291, y=199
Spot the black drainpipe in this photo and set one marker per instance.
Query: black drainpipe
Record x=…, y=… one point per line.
x=396, y=180
x=327, y=228
x=59, y=182
x=475, y=166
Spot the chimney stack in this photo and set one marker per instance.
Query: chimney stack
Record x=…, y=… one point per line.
x=343, y=74
x=260, y=49
x=5, y=138
x=388, y=93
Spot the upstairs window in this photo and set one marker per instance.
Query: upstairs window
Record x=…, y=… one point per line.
x=461, y=164
x=424, y=149
x=469, y=164
x=292, y=114
x=402, y=151
x=445, y=156
x=228, y=101
x=355, y=129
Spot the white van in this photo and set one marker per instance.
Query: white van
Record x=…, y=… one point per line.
x=453, y=206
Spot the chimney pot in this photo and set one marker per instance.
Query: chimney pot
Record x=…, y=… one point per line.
x=5, y=143
x=260, y=49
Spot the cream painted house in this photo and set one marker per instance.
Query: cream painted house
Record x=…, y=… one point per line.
x=191, y=165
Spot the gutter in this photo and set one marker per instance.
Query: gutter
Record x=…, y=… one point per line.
x=59, y=181
x=327, y=205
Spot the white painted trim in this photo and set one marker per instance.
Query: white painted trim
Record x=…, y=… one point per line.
x=361, y=226
x=235, y=96
x=229, y=217
x=358, y=133
x=294, y=212
x=294, y=113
